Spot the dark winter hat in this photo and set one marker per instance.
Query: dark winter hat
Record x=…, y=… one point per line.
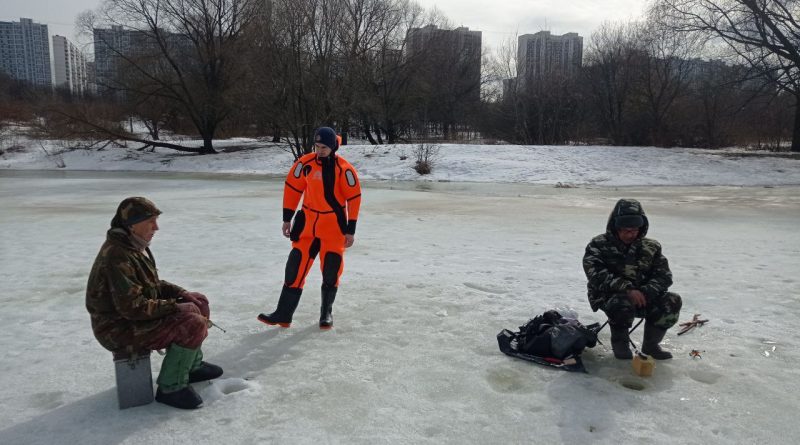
x=627, y=213
x=628, y=221
x=134, y=210
x=326, y=135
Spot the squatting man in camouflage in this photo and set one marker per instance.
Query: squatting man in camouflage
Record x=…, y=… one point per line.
x=133, y=310
x=629, y=277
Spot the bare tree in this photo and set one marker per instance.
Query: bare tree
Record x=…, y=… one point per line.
x=363, y=31
x=334, y=62
x=713, y=103
x=299, y=68
x=664, y=76
x=541, y=106
x=610, y=75
x=192, y=54
x=763, y=33
x=503, y=114
x=447, y=77
x=381, y=75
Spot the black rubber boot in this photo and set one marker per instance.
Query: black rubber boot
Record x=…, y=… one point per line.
x=185, y=398
x=620, y=341
x=206, y=371
x=290, y=297
x=202, y=371
x=650, y=344
x=325, y=312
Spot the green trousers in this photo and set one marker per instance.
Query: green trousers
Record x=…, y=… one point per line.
x=177, y=365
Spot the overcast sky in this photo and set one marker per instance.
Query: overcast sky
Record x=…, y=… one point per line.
x=497, y=19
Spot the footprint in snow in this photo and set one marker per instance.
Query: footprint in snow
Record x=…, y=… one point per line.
x=219, y=388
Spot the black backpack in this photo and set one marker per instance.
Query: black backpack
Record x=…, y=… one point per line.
x=551, y=335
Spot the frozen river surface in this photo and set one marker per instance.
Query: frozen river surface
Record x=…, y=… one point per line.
x=437, y=270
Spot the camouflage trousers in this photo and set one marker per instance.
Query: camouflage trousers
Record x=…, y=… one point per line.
x=185, y=329
x=661, y=312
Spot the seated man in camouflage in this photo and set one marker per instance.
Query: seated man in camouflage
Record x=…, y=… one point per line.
x=629, y=277
x=133, y=310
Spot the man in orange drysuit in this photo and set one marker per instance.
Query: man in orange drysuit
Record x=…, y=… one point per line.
x=326, y=225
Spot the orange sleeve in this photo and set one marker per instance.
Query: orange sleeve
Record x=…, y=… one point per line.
x=293, y=190
x=351, y=190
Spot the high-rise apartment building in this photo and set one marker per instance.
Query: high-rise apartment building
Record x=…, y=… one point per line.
x=110, y=48
x=25, y=51
x=117, y=49
x=69, y=66
x=449, y=51
x=543, y=55
x=460, y=41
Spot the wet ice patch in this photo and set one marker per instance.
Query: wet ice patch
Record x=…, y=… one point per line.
x=47, y=400
x=707, y=377
x=487, y=289
x=505, y=380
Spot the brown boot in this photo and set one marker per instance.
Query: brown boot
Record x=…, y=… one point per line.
x=620, y=342
x=650, y=344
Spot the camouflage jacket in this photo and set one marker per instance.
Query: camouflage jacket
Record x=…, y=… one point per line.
x=612, y=267
x=124, y=295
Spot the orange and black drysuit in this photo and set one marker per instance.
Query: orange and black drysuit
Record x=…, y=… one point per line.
x=331, y=199
x=331, y=194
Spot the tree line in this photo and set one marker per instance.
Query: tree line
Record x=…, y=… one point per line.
x=692, y=73
x=695, y=73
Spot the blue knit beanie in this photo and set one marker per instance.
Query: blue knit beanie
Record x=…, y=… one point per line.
x=326, y=135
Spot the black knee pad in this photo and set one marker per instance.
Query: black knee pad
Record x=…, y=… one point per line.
x=330, y=271
x=293, y=266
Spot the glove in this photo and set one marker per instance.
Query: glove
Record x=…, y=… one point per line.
x=198, y=300
x=188, y=307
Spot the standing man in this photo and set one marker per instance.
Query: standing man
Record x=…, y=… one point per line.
x=326, y=225
x=629, y=277
x=133, y=310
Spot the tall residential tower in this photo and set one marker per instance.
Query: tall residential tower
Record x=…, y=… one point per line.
x=69, y=66
x=543, y=55
x=25, y=51
x=455, y=52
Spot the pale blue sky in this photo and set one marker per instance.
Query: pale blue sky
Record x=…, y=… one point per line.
x=497, y=19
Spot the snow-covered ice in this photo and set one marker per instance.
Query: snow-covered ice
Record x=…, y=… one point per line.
x=438, y=269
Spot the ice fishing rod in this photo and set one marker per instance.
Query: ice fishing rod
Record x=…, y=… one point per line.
x=216, y=326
